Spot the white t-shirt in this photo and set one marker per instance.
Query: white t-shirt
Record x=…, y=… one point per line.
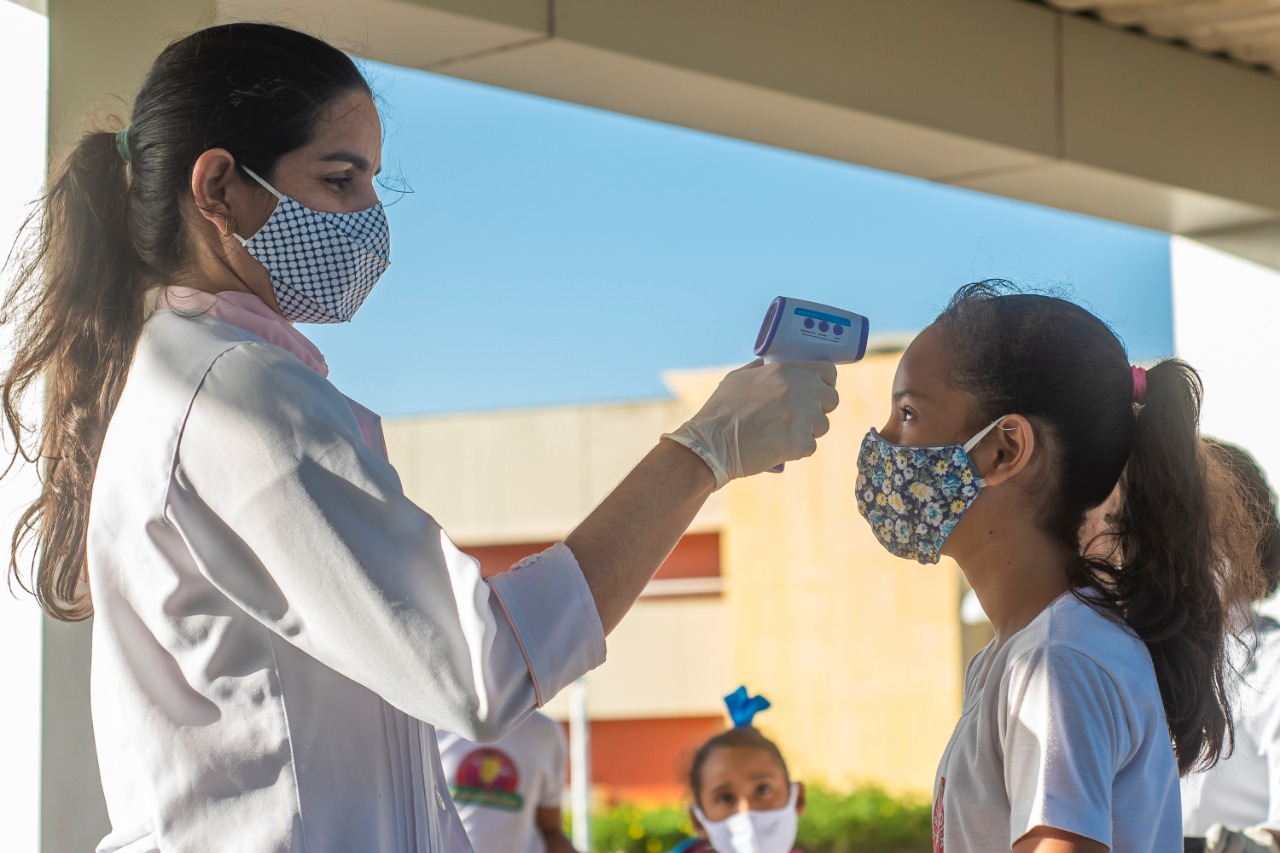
x=499, y=787
x=1244, y=788
x=1062, y=726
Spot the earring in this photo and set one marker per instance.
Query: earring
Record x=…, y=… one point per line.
x=230, y=226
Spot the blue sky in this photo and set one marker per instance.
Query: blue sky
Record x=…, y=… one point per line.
x=551, y=253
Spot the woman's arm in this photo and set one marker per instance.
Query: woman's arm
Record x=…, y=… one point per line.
x=621, y=544
x=1044, y=839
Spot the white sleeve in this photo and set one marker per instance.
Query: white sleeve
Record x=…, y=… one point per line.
x=1063, y=740
x=289, y=514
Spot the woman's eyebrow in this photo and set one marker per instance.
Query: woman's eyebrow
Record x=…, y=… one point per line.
x=348, y=157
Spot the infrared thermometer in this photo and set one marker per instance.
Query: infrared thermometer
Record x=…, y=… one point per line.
x=795, y=330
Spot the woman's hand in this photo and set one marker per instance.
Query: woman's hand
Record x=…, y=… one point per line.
x=760, y=416
x=1044, y=839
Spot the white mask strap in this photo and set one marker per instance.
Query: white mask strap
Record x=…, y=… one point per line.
x=973, y=442
x=265, y=185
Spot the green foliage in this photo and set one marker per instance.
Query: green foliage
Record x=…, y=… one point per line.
x=867, y=820
x=637, y=830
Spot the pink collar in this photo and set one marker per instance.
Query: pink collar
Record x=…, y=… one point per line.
x=248, y=312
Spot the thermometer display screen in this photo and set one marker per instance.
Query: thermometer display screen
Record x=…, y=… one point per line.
x=820, y=327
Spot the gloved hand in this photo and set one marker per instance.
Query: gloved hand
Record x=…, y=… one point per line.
x=1220, y=839
x=760, y=416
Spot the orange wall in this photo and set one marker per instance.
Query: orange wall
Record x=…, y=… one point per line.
x=645, y=761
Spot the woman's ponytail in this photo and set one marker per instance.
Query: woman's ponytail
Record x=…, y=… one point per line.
x=105, y=232
x=76, y=309
x=1186, y=565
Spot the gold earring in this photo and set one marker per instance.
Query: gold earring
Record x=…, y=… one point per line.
x=230, y=226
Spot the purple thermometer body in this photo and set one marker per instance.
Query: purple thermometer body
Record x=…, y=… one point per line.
x=796, y=330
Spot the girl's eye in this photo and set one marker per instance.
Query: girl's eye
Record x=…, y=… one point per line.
x=764, y=790
x=339, y=183
x=908, y=414
x=726, y=799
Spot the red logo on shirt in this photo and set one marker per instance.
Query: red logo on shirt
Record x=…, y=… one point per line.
x=939, y=816
x=488, y=777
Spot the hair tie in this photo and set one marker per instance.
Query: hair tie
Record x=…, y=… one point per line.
x=743, y=708
x=1139, y=385
x=122, y=144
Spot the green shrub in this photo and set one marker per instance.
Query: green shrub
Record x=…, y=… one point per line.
x=867, y=820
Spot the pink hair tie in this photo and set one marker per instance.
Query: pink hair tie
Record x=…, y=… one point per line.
x=1139, y=385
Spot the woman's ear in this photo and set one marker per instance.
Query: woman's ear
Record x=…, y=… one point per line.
x=1006, y=451
x=211, y=176
x=225, y=198
x=800, y=798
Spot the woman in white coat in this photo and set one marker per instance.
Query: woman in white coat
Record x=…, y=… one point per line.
x=278, y=628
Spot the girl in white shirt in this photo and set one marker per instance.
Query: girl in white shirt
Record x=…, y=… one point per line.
x=277, y=627
x=1014, y=414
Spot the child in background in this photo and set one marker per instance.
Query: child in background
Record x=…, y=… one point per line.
x=1236, y=804
x=743, y=798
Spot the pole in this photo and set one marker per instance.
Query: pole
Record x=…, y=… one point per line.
x=580, y=764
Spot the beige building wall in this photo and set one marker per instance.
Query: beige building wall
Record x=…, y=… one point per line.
x=858, y=650
x=528, y=475
x=668, y=658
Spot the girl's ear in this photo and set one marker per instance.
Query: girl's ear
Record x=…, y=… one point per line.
x=800, y=798
x=1006, y=451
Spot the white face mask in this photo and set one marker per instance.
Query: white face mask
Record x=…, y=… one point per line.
x=772, y=831
x=322, y=265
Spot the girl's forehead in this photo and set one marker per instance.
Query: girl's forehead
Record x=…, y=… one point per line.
x=734, y=760
x=924, y=363
x=926, y=357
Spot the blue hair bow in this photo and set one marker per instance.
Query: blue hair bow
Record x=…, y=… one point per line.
x=743, y=708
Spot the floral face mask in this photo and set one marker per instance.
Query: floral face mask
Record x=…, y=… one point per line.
x=913, y=497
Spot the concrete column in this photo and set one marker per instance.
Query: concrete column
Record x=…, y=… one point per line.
x=99, y=51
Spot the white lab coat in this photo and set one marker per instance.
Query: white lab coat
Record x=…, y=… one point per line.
x=278, y=627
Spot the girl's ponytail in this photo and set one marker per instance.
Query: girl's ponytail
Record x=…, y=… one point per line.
x=77, y=307
x=1186, y=565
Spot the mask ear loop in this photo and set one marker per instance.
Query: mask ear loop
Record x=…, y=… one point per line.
x=266, y=186
x=973, y=442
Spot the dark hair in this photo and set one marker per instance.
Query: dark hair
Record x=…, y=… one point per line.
x=104, y=233
x=1259, y=499
x=742, y=737
x=1184, y=553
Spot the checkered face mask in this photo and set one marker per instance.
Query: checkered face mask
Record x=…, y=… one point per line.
x=322, y=265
